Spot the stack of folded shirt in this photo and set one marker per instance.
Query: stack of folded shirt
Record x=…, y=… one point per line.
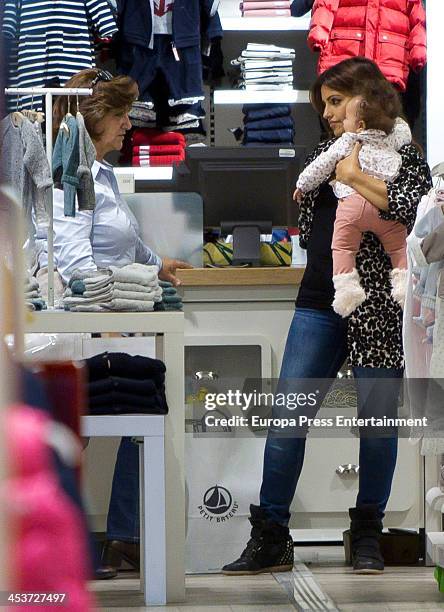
x=265, y=67
x=268, y=124
x=180, y=117
x=170, y=299
x=156, y=148
x=133, y=288
x=142, y=114
x=266, y=8
x=120, y=384
x=33, y=296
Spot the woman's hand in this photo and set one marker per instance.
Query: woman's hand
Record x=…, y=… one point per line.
x=349, y=169
x=297, y=196
x=169, y=267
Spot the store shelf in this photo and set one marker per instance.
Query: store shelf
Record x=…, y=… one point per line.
x=241, y=96
x=262, y=24
x=163, y=173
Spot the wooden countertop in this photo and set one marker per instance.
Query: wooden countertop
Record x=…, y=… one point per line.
x=201, y=277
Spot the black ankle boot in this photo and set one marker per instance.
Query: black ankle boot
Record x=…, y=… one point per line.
x=366, y=529
x=270, y=548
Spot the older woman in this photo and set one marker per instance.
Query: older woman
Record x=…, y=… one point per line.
x=107, y=235
x=319, y=340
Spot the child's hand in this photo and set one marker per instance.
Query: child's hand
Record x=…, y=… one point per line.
x=298, y=195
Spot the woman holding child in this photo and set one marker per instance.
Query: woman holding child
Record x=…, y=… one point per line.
x=320, y=340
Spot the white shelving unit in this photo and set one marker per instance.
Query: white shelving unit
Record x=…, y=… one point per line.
x=258, y=24
x=242, y=96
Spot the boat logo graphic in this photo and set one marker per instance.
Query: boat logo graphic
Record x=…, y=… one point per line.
x=218, y=504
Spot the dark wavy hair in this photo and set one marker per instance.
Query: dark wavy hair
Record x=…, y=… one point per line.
x=353, y=77
x=115, y=96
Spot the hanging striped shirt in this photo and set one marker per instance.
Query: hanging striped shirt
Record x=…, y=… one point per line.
x=53, y=39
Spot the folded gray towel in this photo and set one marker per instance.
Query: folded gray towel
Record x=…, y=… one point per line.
x=129, y=305
x=31, y=295
x=93, y=279
x=79, y=300
x=152, y=296
x=135, y=286
x=88, y=308
x=31, y=283
x=135, y=273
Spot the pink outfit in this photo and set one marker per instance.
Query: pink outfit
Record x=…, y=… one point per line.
x=354, y=216
x=49, y=553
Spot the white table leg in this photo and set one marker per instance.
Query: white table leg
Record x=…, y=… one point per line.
x=170, y=350
x=153, y=526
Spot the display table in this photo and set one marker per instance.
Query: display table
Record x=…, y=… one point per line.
x=168, y=328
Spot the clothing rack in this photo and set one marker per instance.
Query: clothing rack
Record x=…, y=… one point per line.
x=49, y=92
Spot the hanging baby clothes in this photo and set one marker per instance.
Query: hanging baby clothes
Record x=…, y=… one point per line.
x=163, y=37
x=25, y=166
x=53, y=39
x=65, y=164
x=87, y=156
x=423, y=324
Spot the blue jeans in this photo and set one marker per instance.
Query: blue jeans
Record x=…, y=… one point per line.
x=316, y=348
x=123, y=512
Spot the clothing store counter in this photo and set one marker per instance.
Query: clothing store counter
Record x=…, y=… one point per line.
x=232, y=276
x=164, y=578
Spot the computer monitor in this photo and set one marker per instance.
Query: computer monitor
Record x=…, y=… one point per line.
x=247, y=189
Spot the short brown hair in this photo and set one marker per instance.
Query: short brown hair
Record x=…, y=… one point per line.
x=353, y=77
x=380, y=107
x=114, y=96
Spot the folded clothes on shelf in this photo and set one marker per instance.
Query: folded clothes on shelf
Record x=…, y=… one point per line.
x=266, y=8
x=157, y=160
x=145, y=136
x=33, y=295
x=132, y=288
x=119, y=384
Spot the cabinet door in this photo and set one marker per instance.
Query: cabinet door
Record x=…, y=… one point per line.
x=322, y=489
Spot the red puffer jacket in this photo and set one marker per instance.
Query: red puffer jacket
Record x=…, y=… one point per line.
x=390, y=32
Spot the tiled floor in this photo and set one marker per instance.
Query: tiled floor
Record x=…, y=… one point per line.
x=320, y=581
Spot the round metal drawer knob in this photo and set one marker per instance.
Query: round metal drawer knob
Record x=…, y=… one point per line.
x=347, y=468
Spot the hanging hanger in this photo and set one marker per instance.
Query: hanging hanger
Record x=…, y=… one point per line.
x=64, y=126
x=17, y=117
x=68, y=114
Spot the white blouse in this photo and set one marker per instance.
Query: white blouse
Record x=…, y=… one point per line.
x=108, y=235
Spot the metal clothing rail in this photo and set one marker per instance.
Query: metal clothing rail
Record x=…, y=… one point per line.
x=49, y=92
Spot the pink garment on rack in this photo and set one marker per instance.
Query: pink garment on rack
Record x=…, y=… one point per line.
x=49, y=553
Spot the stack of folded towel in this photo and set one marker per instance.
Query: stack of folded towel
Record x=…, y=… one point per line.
x=33, y=296
x=265, y=67
x=268, y=124
x=155, y=148
x=265, y=8
x=170, y=298
x=120, y=384
x=133, y=288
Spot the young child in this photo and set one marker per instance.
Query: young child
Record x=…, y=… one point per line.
x=373, y=121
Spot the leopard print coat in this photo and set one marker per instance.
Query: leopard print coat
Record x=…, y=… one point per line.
x=375, y=327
